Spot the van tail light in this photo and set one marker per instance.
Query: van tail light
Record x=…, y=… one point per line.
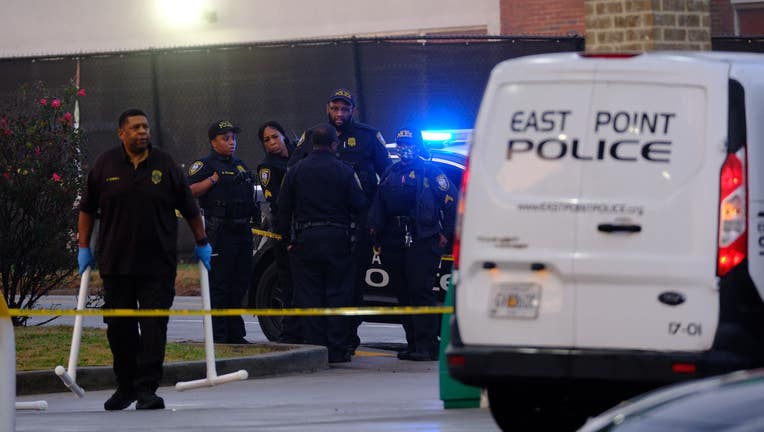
x=733, y=231
x=686, y=368
x=456, y=360
x=460, y=214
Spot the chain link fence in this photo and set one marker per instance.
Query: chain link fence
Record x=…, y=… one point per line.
x=429, y=82
x=433, y=82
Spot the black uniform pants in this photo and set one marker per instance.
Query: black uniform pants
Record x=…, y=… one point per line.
x=413, y=271
x=322, y=275
x=138, y=344
x=230, y=275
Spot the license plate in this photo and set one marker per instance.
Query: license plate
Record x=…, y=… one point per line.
x=515, y=300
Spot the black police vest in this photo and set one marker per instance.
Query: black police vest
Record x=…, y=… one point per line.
x=232, y=196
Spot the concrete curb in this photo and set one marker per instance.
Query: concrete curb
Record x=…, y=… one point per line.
x=299, y=358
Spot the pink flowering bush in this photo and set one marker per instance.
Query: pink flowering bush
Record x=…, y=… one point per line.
x=41, y=162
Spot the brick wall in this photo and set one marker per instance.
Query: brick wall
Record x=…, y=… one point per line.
x=542, y=17
x=647, y=25
x=751, y=21
x=722, y=19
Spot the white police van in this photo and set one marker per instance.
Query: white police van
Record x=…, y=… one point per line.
x=611, y=231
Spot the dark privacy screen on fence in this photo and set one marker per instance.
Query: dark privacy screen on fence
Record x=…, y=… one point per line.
x=429, y=83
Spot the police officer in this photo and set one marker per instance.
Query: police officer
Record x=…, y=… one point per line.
x=411, y=221
x=319, y=194
x=363, y=148
x=224, y=187
x=271, y=172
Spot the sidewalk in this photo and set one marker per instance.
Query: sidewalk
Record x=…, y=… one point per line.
x=300, y=358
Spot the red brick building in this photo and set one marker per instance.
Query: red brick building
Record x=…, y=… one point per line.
x=554, y=17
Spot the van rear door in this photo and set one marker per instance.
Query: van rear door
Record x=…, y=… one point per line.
x=517, y=239
x=592, y=203
x=646, y=234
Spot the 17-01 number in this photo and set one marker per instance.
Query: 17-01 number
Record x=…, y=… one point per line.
x=690, y=329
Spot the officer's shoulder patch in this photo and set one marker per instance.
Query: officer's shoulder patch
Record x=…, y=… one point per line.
x=442, y=181
x=265, y=176
x=195, y=167
x=302, y=139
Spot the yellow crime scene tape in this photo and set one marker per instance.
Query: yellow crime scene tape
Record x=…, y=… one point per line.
x=346, y=311
x=273, y=235
x=350, y=311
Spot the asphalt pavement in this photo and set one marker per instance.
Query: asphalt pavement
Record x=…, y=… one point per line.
x=300, y=358
x=374, y=392
x=189, y=328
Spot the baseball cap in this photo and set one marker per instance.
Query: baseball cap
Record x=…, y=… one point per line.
x=408, y=136
x=342, y=94
x=220, y=127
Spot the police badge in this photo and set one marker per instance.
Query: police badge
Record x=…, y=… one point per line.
x=156, y=176
x=195, y=167
x=442, y=182
x=265, y=176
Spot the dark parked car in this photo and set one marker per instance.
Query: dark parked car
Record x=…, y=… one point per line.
x=731, y=402
x=449, y=154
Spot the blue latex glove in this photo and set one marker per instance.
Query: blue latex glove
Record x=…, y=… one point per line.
x=85, y=259
x=204, y=254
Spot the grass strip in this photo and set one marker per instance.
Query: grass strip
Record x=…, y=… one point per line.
x=45, y=347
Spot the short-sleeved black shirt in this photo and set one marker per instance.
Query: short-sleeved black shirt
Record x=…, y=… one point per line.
x=139, y=229
x=232, y=196
x=319, y=188
x=361, y=146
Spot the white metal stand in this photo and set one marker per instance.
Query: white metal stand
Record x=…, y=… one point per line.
x=39, y=405
x=69, y=375
x=8, y=371
x=209, y=347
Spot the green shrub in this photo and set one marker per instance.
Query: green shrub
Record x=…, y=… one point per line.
x=41, y=175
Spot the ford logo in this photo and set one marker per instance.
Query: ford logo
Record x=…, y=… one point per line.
x=671, y=298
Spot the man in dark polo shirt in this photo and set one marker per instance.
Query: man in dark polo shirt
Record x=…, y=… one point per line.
x=137, y=188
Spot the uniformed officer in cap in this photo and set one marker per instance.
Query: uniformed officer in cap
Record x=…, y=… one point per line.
x=319, y=194
x=362, y=147
x=411, y=221
x=224, y=186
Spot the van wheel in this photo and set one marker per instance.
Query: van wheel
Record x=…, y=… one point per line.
x=270, y=295
x=518, y=407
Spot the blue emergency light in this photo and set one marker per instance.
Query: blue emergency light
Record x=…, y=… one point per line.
x=442, y=138
x=437, y=135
